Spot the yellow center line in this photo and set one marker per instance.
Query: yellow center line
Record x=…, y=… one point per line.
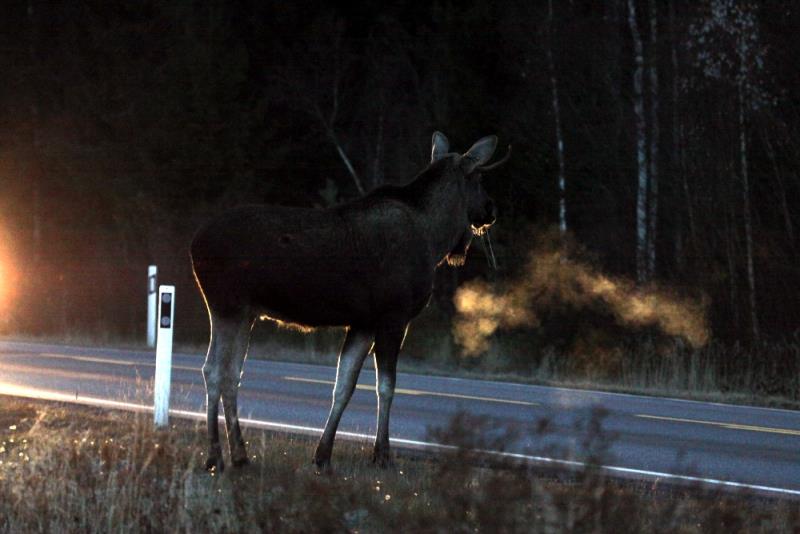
x=731, y=426
x=403, y=391
x=95, y=359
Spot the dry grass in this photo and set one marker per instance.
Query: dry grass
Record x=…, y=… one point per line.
x=78, y=469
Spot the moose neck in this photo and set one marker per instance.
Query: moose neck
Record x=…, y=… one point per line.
x=442, y=207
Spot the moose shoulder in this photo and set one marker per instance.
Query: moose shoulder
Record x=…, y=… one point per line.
x=366, y=265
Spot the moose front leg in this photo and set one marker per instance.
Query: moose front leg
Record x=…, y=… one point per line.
x=387, y=347
x=356, y=346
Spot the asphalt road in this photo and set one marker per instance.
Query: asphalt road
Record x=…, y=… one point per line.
x=656, y=438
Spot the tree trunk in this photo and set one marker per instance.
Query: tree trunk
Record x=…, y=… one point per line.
x=34, y=163
x=346, y=160
x=641, y=148
x=652, y=207
x=748, y=223
x=562, y=182
x=787, y=217
x=678, y=153
x=328, y=120
x=730, y=254
x=377, y=162
x=36, y=215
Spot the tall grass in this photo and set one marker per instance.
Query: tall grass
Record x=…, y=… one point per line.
x=765, y=373
x=84, y=470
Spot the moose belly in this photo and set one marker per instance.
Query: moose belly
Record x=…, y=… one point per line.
x=328, y=294
x=312, y=295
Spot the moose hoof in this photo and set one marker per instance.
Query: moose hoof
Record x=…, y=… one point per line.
x=322, y=463
x=322, y=457
x=240, y=462
x=214, y=464
x=382, y=459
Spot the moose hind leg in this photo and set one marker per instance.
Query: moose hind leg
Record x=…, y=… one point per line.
x=234, y=432
x=230, y=380
x=211, y=374
x=223, y=337
x=387, y=347
x=356, y=346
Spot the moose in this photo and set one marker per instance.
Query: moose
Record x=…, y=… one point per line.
x=366, y=265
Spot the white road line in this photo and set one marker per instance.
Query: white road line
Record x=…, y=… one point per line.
x=111, y=361
x=406, y=391
x=21, y=391
x=588, y=392
x=722, y=424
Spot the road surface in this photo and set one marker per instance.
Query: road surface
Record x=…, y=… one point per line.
x=669, y=439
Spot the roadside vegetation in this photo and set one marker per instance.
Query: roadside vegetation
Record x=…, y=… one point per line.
x=766, y=373
x=78, y=469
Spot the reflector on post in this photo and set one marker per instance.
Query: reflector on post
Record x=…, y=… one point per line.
x=152, y=272
x=161, y=387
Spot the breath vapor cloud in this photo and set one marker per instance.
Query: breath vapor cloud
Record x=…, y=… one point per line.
x=553, y=276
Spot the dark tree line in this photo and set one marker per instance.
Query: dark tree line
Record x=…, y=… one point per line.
x=662, y=134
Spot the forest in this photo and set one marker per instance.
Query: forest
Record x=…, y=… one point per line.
x=656, y=136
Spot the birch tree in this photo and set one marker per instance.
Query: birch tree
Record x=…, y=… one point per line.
x=652, y=200
x=678, y=153
x=727, y=48
x=642, y=274
x=562, y=181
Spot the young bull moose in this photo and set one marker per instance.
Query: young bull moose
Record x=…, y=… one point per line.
x=367, y=265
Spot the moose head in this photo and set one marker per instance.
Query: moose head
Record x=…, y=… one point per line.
x=480, y=211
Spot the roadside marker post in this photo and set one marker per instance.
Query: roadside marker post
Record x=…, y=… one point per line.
x=163, y=378
x=152, y=272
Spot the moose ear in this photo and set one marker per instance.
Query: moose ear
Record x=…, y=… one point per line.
x=441, y=146
x=479, y=154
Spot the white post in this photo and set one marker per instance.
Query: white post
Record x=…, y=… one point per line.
x=152, y=270
x=166, y=314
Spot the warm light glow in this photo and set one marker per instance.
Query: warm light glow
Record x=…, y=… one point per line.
x=7, y=280
x=553, y=276
x=2, y=282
